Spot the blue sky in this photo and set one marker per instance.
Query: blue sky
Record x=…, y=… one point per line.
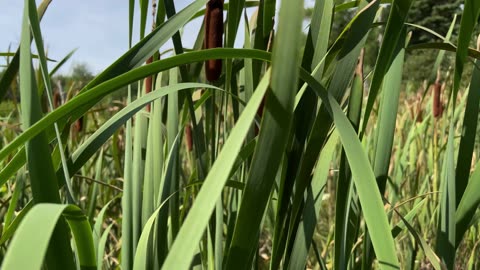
x=98, y=28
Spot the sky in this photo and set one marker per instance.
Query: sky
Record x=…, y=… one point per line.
x=98, y=29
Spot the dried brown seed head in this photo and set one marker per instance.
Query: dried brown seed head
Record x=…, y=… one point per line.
x=188, y=137
x=213, y=37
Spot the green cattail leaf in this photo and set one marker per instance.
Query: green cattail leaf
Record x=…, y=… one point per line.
x=78, y=102
x=183, y=249
x=13, y=166
x=12, y=69
x=97, y=227
x=468, y=205
x=139, y=53
x=43, y=182
x=471, y=11
x=344, y=214
x=444, y=47
x=467, y=140
x=446, y=238
x=306, y=228
x=393, y=31
x=34, y=233
x=273, y=137
x=85, y=151
x=320, y=30
x=434, y=260
x=19, y=186
x=343, y=70
x=364, y=179
x=12, y=228
x=392, y=83
x=101, y=247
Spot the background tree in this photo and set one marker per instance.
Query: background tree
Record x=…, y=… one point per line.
x=433, y=14
x=437, y=16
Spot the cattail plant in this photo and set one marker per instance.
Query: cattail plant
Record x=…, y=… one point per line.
x=213, y=37
x=57, y=99
x=299, y=196
x=260, y=114
x=78, y=126
x=149, y=79
x=188, y=137
x=271, y=38
x=262, y=105
x=148, y=82
x=437, y=102
x=419, y=117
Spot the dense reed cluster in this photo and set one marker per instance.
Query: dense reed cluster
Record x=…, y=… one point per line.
x=300, y=148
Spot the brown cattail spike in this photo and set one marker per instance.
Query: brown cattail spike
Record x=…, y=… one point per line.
x=188, y=137
x=213, y=37
x=148, y=82
x=79, y=124
x=57, y=99
x=437, y=102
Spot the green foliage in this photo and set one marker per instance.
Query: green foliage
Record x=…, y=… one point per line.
x=307, y=152
x=435, y=15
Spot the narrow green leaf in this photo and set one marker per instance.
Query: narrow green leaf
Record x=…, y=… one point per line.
x=306, y=228
x=320, y=29
x=469, y=132
x=92, y=204
x=77, y=104
x=103, y=133
x=12, y=228
x=19, y=185
x=345, y=229
x=364, y=179
x=97, y=227
x=101, y=247
x=393, y=31
x=468, y=205
x=12, y=68
x=445, y=245
x=183, y=249
x=273, y=137
x=39, y=163
x=442, y=46
x=434, y=260
x=139, y=53
x=33, y=235
x=387, y=116
x=471, y=11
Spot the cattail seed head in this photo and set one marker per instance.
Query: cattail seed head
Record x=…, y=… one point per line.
x=437, y=102
x=213, y=37
x=78, y=126
x=188, y=137
x=57, y=99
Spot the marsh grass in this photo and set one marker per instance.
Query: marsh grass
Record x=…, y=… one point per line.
x=282, y=154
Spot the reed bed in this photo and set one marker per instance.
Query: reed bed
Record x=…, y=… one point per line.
x=287, y=152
